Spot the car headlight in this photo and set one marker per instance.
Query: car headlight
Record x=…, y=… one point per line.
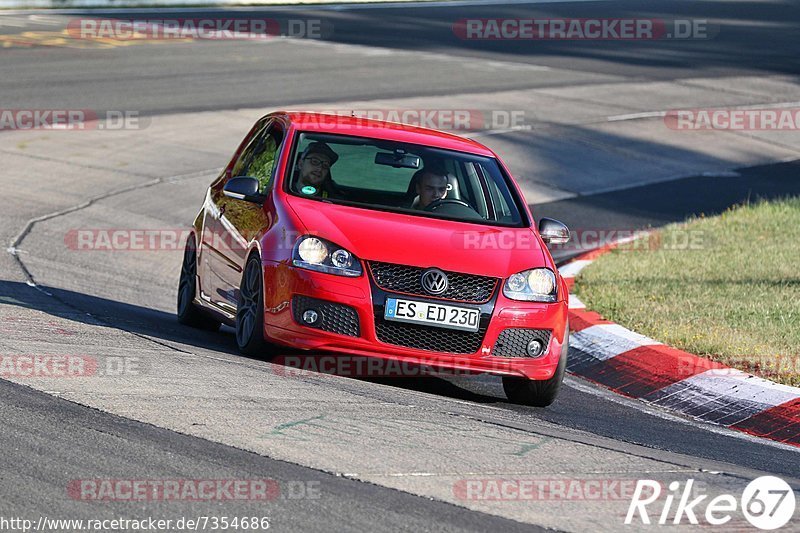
x=312, y=250
x=318, y=254
x=535, y=285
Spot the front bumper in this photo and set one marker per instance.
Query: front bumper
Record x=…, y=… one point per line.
x=360, y=294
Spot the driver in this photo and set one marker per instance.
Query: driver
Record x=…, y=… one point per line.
x=431, y=186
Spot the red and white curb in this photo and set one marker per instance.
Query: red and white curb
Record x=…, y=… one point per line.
x=642, y=368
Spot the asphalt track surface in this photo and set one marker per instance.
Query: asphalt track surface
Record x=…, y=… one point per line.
x=387, y=453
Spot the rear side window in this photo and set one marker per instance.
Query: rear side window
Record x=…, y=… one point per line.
x=258, y=158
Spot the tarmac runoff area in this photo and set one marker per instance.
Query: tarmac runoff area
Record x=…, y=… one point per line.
x=591, y=135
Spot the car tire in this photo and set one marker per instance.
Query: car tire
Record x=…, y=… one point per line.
x=188, y=313
x=250, y=311
x=538, y=393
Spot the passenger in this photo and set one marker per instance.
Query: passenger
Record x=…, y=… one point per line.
x=314, y=171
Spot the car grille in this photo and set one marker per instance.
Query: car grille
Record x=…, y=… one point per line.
x=406, y=279
x=336, y=318
x=428, y=338
x=513, y=342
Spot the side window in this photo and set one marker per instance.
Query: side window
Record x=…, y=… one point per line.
x=500, y=203
x=474, y=186
x=258, y=158
x=265, y=156
x=240, y=167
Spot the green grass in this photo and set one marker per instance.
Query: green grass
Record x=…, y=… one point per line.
x=727, y=288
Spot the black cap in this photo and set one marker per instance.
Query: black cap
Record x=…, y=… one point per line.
x=320, y=148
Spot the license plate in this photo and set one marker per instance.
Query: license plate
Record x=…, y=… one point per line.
x=431, y=314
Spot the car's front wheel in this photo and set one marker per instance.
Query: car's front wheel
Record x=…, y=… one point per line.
x=188, y=313
x=250, y=310
x=538, y=393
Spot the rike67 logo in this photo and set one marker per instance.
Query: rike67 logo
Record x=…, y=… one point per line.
x=767, y=503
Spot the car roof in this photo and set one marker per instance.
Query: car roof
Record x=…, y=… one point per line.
x=379, y=129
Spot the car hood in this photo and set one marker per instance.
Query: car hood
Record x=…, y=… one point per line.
x=423, y=242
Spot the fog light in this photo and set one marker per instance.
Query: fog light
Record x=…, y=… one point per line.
x=535, y=348
x=310, y=317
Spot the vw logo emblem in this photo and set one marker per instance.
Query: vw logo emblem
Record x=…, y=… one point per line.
x=434, y=281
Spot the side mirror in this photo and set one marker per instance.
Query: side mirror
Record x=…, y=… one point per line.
x=553, y=232
x=243, y=188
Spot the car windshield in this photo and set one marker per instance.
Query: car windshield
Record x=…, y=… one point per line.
x=392, y=176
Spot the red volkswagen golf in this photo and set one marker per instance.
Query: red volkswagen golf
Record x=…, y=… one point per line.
x=379, y=239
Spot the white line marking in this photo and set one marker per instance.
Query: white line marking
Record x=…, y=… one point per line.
x=575, y=302
x=46, y=21
x=487, y=133
x=657, y=114
x=13, y=22
x=605, y=341
x=721, y=174
x=100, y=5
x=455, y=3
x=725, y=397
x=734, y=384
x=571, y=270
x=635, y=116
x=379, y=51
x=579, y=384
